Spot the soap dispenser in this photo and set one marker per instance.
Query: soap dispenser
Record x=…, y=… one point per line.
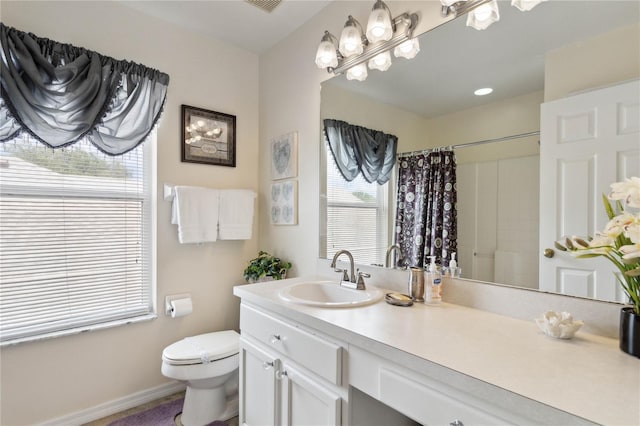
x=433, y=281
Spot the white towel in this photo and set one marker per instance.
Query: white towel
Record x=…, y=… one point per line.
x=236, y=214
x=195, y=211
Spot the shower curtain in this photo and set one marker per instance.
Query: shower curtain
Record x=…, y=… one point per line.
x=426, y=215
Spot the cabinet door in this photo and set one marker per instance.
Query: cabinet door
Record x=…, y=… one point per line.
x=258, y=386
x=306, y=401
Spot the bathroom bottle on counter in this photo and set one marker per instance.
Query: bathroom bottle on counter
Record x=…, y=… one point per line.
x=452, y=270
x=433, y=280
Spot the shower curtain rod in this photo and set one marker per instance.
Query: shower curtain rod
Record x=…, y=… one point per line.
x=468, y=144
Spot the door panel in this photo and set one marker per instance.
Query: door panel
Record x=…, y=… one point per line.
x=258, y=391
x=306, y=402
x=588, y=141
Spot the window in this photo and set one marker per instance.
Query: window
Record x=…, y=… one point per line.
x=75, y=239
x=357, y=216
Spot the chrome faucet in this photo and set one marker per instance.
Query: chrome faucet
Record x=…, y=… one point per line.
x=390, y=249
x=349, y=281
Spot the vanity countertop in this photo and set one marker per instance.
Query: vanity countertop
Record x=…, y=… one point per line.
x=587, y=376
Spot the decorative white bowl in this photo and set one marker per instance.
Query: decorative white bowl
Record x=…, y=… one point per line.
x=559, y=325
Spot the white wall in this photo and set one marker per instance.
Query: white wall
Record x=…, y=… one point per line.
x=49, y=379
x=411, y=129
x=572, y=69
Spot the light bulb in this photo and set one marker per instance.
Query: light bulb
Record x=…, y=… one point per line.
x=484, y=16
x=381, y=61
x=358, y=72
x=526, y=5
x=350, y=39
x=326, y=55
x=408, y=49
x=379, y=26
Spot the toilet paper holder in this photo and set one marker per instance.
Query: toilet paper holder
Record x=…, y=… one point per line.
x=171, y=298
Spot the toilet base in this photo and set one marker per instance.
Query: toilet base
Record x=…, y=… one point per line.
x=203, y=406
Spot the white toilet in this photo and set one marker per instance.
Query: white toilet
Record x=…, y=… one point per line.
x=208, y=363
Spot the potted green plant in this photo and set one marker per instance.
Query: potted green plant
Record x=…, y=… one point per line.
x=619, y=242
x=266, y=267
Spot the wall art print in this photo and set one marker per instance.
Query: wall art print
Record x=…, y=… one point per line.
x=284, y=203
x=208, y=137
x=284, y=156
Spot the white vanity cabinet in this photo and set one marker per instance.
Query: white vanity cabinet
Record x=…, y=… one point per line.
x=383, y=365
x=288, y=375
x=421, y=398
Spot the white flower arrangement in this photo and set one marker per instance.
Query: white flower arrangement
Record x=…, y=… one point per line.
x=619, y=242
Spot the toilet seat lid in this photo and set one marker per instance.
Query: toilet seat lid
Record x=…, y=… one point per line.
x=202, y=348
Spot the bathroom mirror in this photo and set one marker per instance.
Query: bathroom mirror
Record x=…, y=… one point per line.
x=429, y=102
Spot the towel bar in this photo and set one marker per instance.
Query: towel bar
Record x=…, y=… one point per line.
x=168, y=192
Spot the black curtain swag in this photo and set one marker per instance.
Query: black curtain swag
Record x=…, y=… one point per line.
x=61, y=94
x=357, y=149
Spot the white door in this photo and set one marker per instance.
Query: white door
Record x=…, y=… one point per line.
x=258, y=390
x=305, y=401
x=587, y=142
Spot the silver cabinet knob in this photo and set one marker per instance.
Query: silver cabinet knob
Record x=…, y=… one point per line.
x=456, y=423
x=268, y=364
x=275, y=338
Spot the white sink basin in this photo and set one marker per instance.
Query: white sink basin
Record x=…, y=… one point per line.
x=329, y=294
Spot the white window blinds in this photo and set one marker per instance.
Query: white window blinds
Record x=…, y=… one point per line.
x=74, y=238
x=356, y=216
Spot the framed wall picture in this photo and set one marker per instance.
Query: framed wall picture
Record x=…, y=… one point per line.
x=284, y=156
x=284, y=203
x=208, y=137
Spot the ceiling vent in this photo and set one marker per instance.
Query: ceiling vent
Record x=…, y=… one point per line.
x=266, y=5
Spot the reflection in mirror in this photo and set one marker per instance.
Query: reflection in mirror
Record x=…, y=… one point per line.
x=558, y=49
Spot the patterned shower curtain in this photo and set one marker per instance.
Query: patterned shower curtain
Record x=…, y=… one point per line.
x=426, y=213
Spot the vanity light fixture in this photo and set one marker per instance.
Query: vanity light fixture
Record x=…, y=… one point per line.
x=352, y=41
x=381, y=61
x=357, y=72
x=379, y=27
x=354, y=50
x=327, y=56
x=408, y=49
x=482, y=13
x=526, y=5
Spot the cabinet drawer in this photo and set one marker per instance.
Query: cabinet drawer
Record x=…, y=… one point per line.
x=318, y=355
x=429, y=405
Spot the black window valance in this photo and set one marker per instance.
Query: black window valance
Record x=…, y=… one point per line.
x=61, y=94
x=357, y=150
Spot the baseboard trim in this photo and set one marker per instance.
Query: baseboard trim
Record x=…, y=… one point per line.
x=115, y=406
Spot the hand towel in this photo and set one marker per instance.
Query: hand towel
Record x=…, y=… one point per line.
x=195, y=211
x=236, y=214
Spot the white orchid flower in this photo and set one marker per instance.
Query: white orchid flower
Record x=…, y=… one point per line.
x=632, y=231
x=631, y=251
x=629, y=191
x=601, y=244
x=616, y=226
